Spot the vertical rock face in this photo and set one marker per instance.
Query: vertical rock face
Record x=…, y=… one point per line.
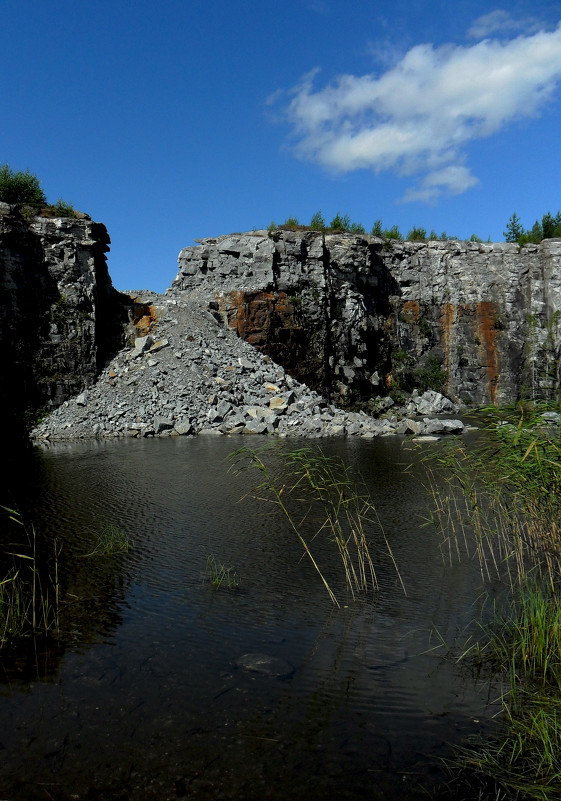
x=60, y=316
x=488, y=313
x=354, y=315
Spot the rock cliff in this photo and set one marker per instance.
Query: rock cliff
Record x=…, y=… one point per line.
x=355, y=315
x=348, y=316
x=61, y=317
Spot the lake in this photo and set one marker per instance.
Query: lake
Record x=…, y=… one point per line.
x=164, y=687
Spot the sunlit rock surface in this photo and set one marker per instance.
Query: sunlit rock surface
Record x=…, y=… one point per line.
x=352, y=314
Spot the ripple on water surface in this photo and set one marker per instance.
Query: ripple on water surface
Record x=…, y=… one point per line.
x=180, y=691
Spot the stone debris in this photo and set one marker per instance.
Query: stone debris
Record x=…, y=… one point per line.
x=191, y=375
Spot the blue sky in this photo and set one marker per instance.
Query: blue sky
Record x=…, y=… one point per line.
x=176, y=120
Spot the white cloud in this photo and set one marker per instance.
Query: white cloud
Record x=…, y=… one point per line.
x=416, y=117
x=502, y=22
x=452, y=180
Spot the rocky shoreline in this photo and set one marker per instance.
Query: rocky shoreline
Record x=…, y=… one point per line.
x=193, y=375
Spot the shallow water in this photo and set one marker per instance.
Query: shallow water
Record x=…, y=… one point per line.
x=151, y=695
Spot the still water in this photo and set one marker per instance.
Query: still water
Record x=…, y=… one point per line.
x=151, y=694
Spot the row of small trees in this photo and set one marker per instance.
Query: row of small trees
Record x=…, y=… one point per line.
x=344, y=224
x=24, y=188
x=548, y=228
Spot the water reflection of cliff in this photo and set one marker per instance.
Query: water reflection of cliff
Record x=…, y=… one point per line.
x=52, y=548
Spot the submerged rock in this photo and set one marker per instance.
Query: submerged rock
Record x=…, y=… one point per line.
x=265, y=664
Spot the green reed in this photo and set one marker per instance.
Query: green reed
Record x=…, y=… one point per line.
x=29, y=602
x=301, y=482
x=111, y=540
x=523, y=645
x=500, y=500
x=220, y=575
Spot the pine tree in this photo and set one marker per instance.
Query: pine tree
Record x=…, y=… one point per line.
x=317, y=222
x=514, y=229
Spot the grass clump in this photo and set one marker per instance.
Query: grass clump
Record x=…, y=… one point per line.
x=317, y=493
x=15, y=608
x=221, y=575
x=29, y=596
x=111, y=541
x=63, y=209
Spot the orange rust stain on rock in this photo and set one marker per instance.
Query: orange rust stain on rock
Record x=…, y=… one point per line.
x=143, y=316
x=486, y=321
x=253, y=314
x=411, y=312
x=272, y=322
x=144, y=324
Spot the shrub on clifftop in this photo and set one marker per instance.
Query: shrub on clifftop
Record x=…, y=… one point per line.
x=63, y=209
x=20, y=187
x=24, y=189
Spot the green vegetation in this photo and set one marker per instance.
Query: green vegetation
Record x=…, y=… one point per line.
x=221, y=575
x=317, y=223
x=291, y=222
x=514, y=229
x=501, y=502
x=29, y=601
x=524, y=645
x=339, y=223
x=318, y=494
x=432, y=375
x=24, y=188
x=63, y=209
x=406, y=377
x=505, y=496
x=377, y=228
x=20, y=187
x=417, y=234
x=393, y=233
x=111, y=541
x=549, y=227
x=342, y=223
